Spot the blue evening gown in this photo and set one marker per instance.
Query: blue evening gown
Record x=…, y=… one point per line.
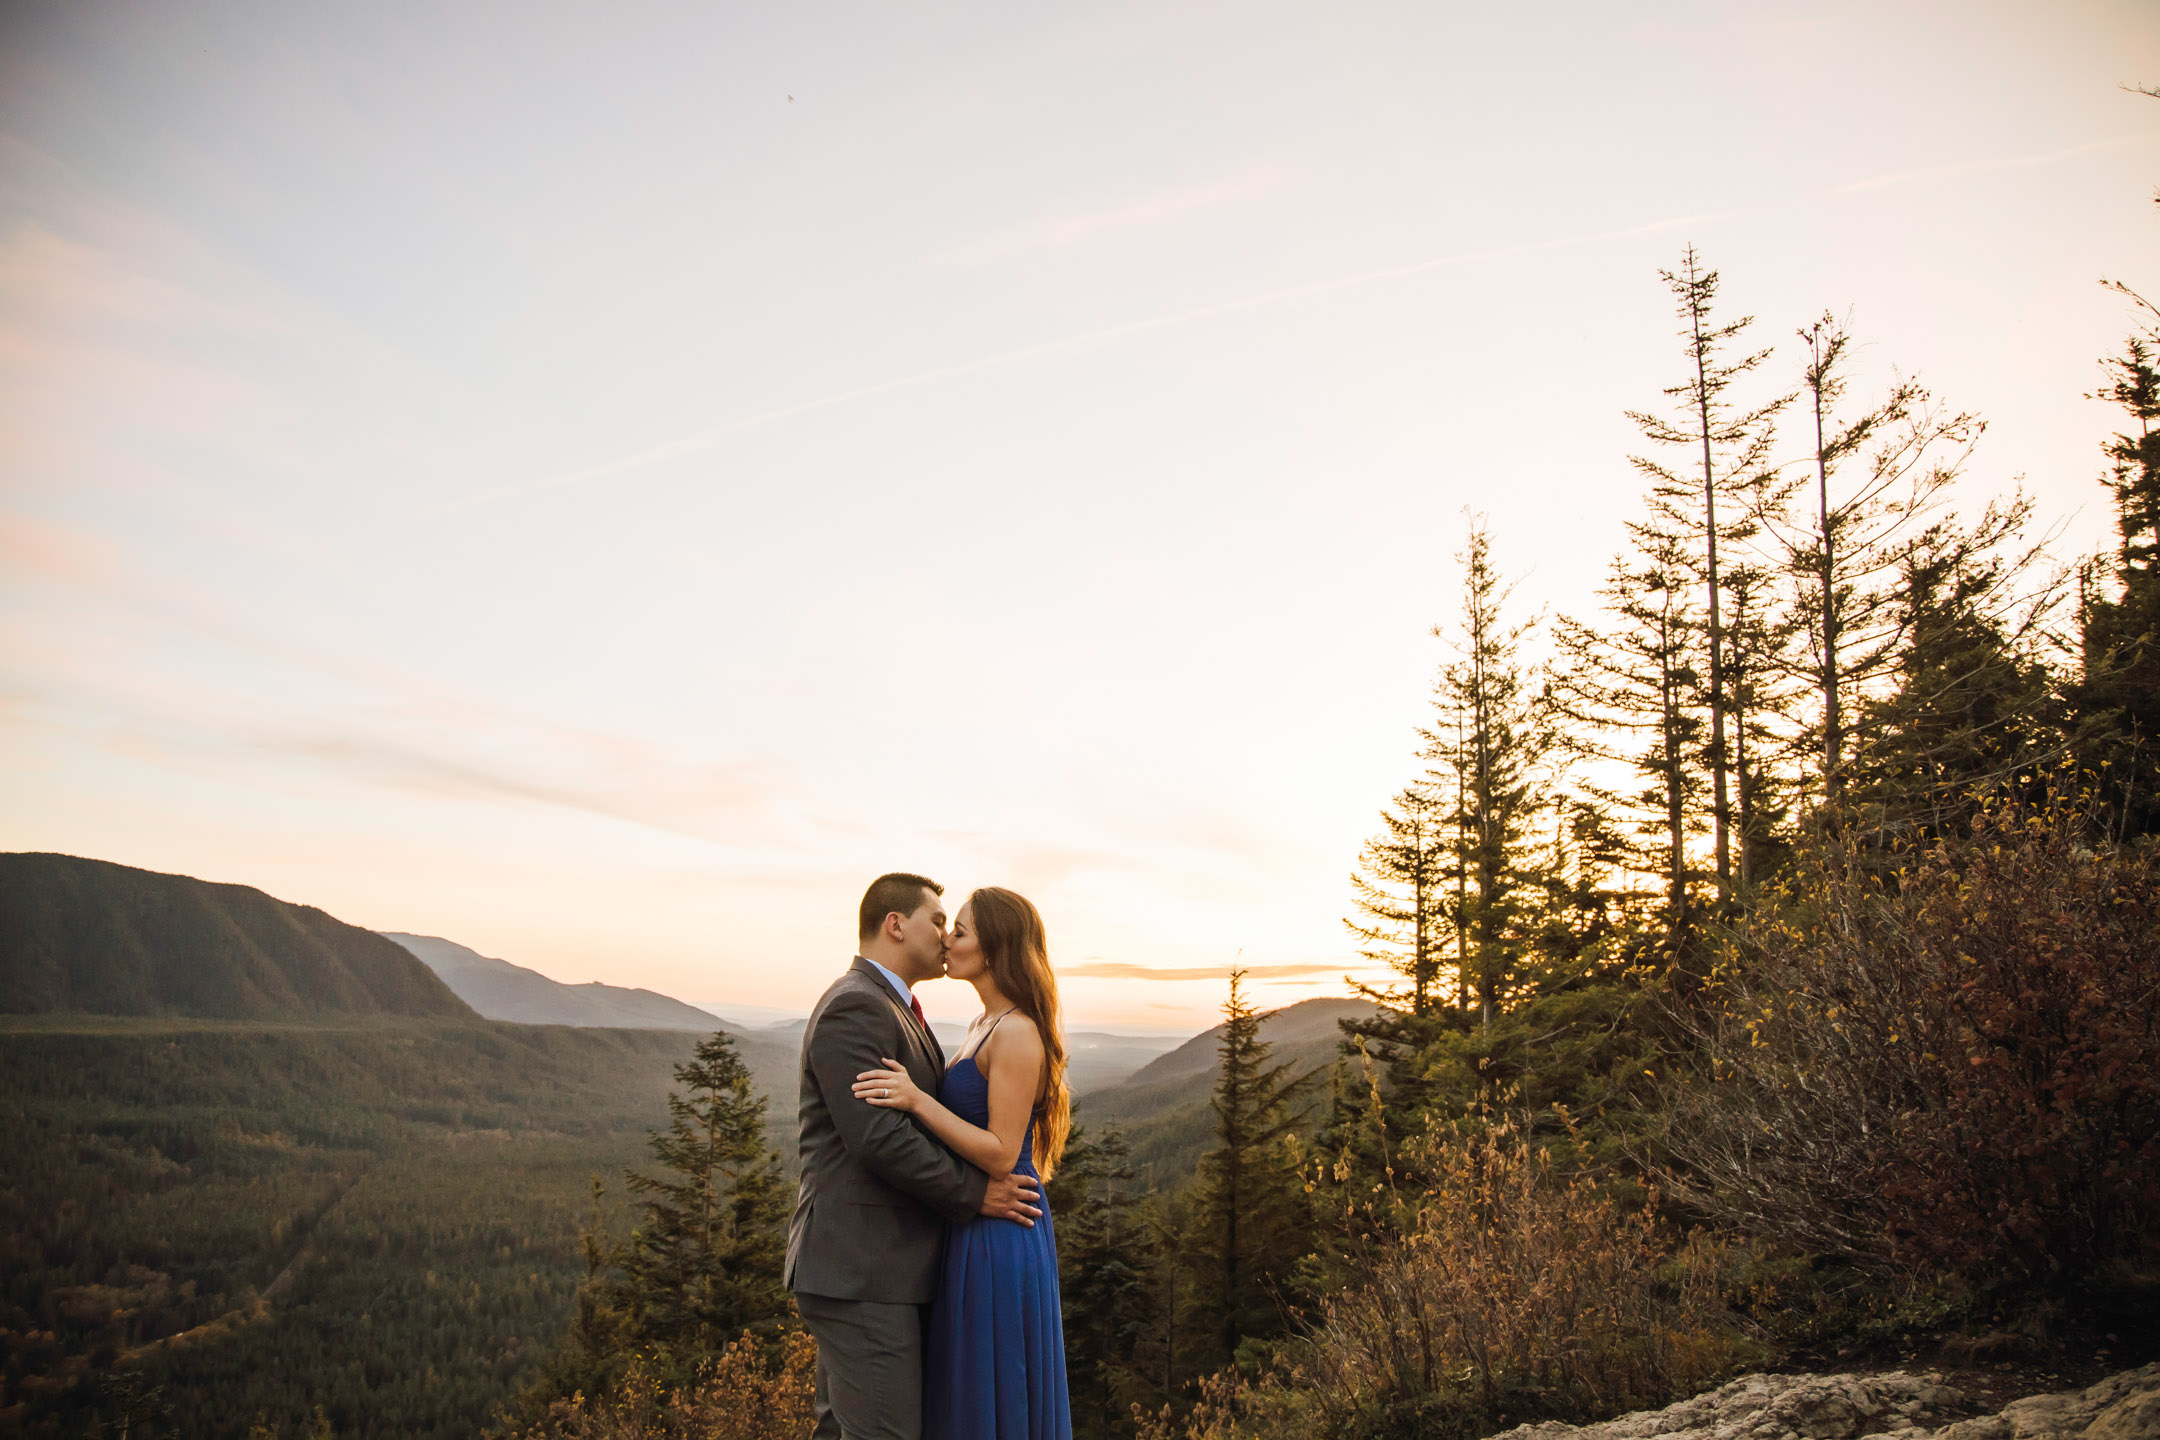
x=995, y=1353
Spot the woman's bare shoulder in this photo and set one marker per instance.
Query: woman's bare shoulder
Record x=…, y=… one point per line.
x=1016, y=1035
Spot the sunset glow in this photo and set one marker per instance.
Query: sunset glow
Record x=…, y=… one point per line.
x=599, y=485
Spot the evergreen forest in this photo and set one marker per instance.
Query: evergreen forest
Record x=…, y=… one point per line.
x=220, y=1228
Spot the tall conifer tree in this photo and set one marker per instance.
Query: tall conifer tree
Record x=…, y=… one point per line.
x=703, y=1264
x=1725, y=443
x=2118, y=695
x=1104, y=1279
x=1400, y=886
x=1629, y=685
x=1976, y=708
x=1500, y=757
x=1845, y=558
x=1250, y=1217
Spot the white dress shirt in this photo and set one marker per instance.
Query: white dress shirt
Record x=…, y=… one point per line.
x=891, y=979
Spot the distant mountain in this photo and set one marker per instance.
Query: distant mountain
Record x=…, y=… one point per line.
x=750, y=1017
x=1094, y=1059
x=91, y=937
x=1305, y=1031
x=500, y=990
x=1163, y=1108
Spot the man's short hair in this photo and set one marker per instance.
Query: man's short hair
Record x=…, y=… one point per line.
x=896, y=894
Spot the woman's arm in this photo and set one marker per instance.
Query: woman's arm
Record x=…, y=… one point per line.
x=1015, y=1074
x=854, y=1029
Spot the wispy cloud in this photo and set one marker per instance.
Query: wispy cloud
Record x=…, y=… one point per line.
x=1119, y=970
x=1064, y=227
x=30, y=546
x=490, y=761
x=642, y=787
x=75, y=283
x=1978, y=167
x=285, y=689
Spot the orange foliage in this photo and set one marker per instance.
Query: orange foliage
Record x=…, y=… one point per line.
x=1520, y=1293
x=740, y=1395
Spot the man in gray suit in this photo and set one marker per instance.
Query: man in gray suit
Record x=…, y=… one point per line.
x=877, y=1189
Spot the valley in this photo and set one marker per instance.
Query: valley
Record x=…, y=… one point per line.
x=293, y=1168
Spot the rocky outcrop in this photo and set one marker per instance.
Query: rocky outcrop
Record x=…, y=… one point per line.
x=1911, y=1407
x=2121, y=1407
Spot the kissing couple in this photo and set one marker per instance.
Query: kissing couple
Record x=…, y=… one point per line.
x=920, y=1253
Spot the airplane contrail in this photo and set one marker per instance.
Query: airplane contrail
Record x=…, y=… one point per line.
x=707, y=439
x=1975, y=167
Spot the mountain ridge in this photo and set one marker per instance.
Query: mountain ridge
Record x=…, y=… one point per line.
x=1164, y=1110
x=502, y=990
x=1291, y=1029
x=96, y=937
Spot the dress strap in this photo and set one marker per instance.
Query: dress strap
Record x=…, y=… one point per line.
x=984, y=1038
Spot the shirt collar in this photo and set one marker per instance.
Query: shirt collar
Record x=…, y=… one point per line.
x=891, y=979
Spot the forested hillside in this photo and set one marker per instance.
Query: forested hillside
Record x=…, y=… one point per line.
x=91, y=937
x=1163, y=1109
x=245, y=1222
x=287, y=1177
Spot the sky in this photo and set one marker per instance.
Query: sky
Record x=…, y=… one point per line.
x=600, y=483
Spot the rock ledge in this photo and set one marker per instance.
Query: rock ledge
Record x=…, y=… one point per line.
x=1911, y=1407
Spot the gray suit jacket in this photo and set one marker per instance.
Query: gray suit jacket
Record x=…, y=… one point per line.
x=876, y=1188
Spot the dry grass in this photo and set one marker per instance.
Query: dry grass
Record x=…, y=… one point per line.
x=1521, y=1293
x=741, y=1395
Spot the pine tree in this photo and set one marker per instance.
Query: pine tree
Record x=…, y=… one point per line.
x=1846, y=558
x=1759, y=669
x=1408, y=919
x=1717, y=508
x=1250, y=1218
x=704, y=1263
x=1976, y=711
x=1106, y=1261
x=1480, y=823
x=2118, y=695
x=1630, y=687
x=1500, y=756
x=1399, y=889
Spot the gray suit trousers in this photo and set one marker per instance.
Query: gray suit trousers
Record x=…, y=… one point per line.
x=869, y=1368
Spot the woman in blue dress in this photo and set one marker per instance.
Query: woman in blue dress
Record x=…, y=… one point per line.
x=995, y=1343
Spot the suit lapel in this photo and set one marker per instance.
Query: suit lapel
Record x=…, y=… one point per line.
x=924, y=1040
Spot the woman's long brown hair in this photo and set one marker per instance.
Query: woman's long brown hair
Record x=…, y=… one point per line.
x=1010, y=930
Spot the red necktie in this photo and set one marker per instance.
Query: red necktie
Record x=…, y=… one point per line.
x=916, y=1005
